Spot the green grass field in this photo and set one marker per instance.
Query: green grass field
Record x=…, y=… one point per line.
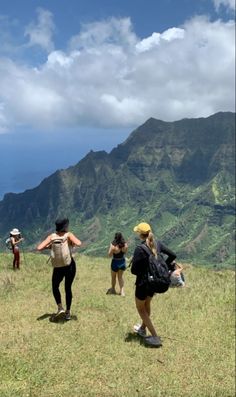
x=96, y=354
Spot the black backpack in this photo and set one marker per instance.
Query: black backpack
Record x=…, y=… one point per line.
x=158, y=275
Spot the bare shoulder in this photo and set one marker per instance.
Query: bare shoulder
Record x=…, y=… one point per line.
x=73, y=239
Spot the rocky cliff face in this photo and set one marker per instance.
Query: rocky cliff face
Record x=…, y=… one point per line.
x=178, y=176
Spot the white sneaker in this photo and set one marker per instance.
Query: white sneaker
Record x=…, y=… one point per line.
x=139, y=330
x=60, y=312
x=68, y=316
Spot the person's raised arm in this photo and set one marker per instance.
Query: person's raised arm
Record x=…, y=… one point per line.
x=74, y=240
x=111, y=250
x=44, y=244
x=15, y=242
x=165, y=250
x=125, y=248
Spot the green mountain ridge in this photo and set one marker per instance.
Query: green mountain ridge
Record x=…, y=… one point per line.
x=179, y=176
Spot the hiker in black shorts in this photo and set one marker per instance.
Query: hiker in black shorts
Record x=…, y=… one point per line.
x=61, y=243
x=117, y=250
x=143, y=294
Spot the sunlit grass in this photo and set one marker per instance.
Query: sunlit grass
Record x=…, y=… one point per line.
x=96, y=354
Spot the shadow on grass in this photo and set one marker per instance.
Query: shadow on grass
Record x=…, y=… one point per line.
x=133, y=337
x=46, y=315
x=55, y=319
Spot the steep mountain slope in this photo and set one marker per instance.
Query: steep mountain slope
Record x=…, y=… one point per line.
x=178, y=176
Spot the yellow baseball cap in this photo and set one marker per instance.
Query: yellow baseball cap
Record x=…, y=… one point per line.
x=142, y=228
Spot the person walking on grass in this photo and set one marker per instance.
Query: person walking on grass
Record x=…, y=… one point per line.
x=64, y=267
x=117, y=250
x=15, y=239
x=143, y=292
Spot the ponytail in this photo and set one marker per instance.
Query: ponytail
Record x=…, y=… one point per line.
x=151, y=243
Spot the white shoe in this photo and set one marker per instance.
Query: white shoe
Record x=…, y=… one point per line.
x=68, y=316
x=139, y=330
x=60, y=312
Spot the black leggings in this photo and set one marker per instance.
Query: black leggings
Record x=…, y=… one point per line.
x=57, y=276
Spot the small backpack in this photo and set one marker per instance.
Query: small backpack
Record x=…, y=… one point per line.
x=8, y=243
x=60, y=250
x=158, y=275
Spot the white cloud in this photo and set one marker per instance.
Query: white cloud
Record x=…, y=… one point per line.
x=227, y=3
x=59, y=58
x=41, y=32
x=155, y=38
x=96, y=34
x=110, y=77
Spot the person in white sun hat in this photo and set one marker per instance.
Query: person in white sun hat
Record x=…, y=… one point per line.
x=15, y=237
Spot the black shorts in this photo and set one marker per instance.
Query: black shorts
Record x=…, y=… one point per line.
x=118, y=264
x=142, y=292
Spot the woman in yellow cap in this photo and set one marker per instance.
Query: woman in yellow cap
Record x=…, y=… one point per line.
x=143, y=293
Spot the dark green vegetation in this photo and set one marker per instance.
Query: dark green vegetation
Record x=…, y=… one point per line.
x=179, y=176
x=96, y=354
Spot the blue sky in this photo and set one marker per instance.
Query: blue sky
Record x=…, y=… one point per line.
x=80, y=75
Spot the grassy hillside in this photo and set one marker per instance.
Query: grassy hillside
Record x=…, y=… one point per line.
x=96, y=354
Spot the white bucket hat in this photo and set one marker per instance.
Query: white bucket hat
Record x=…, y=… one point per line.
x=15, y=232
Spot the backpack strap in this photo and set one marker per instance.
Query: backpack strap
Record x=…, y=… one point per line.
x=146, y=249
x=149, y=252
x=55, y=236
